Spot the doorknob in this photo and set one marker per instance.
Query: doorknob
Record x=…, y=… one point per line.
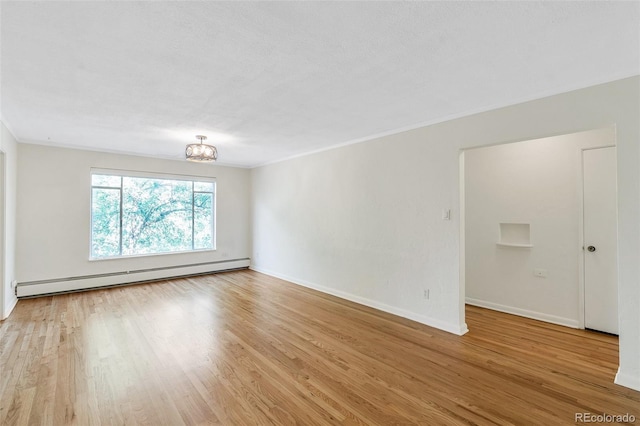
x=591, y=248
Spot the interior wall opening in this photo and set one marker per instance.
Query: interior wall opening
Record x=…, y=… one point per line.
x=522, y=227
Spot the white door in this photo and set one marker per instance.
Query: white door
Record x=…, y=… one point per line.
x=600, y=240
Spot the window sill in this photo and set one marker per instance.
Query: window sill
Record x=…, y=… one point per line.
x=137, y=256
x=514, y=245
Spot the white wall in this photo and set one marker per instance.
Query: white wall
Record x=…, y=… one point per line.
x=8, y=146
x=538, y=183
x=364, y=221
x=352, y=221
x=54, y=212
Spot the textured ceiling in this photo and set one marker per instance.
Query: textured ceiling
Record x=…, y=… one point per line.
x=269, y=80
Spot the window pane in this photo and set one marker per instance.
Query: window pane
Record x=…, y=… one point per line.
x=105, y=222
x=203, y=186
x=147, y=215
x=156, y=215
x=203, y=220
x=105, y=180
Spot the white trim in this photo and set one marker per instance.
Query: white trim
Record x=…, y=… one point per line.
x=3, y=245
x=567, y=322
x=514, y=245
x=469, y=113
x=62, y=285
x=462, y=273
x=152, y=175
x=123, y=173
x=580, y=185
x=164, y=253
x=397, y=130
x=431, y=322
x=9, y=309
x=628, y=381
x=128, y=153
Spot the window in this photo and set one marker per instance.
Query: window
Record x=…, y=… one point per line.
x=137, y=214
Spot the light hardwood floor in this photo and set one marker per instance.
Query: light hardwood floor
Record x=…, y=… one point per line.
x=245, y=348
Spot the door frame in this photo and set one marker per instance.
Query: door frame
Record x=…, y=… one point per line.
x=3, y=245
x=581, y=242
x=580, y=189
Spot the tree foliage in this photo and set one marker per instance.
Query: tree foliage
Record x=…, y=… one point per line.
x=158, y=216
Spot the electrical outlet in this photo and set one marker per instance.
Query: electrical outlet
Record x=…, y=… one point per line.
x=425, y=294
x=541, y=273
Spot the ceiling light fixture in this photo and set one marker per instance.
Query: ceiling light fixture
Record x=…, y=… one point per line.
x=201, y=152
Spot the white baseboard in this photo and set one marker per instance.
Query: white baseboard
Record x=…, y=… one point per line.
x=567, y=322
x=87, y=282
x=431, y=322
x=627, y=380
x=9, y=309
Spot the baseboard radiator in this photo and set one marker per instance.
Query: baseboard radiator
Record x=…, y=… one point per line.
x=88, y=282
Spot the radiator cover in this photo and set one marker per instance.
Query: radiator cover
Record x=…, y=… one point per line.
x=89, y=282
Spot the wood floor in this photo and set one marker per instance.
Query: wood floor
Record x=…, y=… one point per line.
x=244, y=348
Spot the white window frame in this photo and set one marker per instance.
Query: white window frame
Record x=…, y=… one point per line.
x=150, y=175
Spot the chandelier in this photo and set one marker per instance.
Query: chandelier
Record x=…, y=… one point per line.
x=201, y=152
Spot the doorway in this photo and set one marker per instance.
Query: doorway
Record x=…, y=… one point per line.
x=522, y=225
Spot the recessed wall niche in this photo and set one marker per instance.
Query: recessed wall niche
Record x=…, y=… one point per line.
x=514, y=235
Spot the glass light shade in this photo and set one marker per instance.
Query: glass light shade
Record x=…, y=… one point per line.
x=201, y=152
